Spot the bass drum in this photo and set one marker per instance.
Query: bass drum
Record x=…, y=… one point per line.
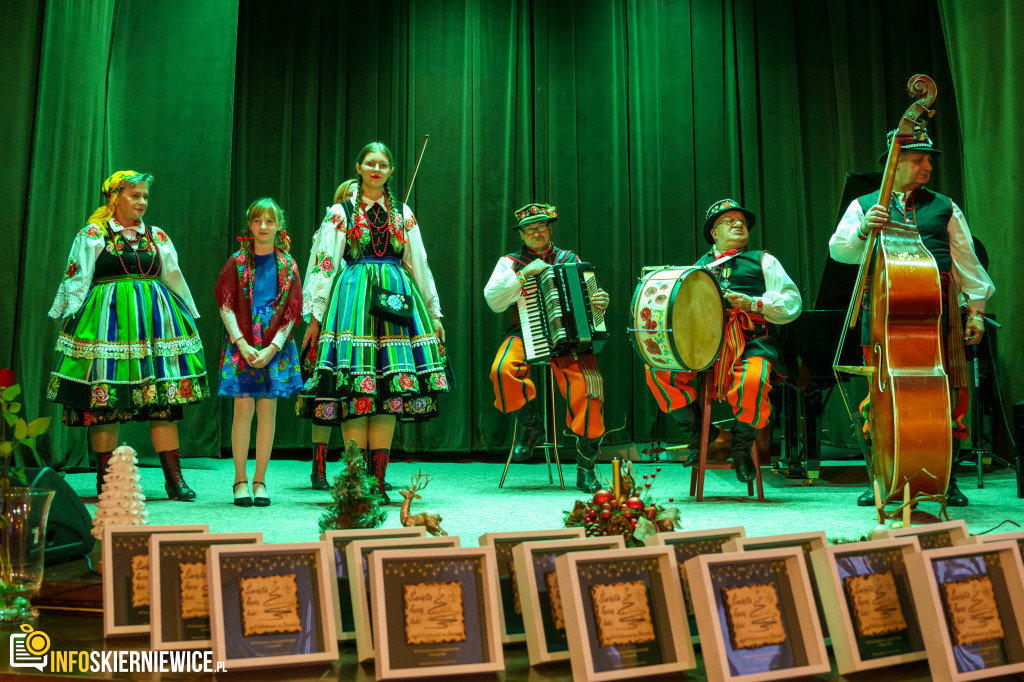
x=678, y=318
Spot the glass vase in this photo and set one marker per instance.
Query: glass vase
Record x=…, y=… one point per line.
x=22, y=543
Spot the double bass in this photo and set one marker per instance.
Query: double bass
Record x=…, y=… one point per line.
x=909, y=412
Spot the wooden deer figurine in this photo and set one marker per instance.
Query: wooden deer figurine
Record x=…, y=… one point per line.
x=432, y=522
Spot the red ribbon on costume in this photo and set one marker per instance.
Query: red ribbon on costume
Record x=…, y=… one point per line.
x=732, y=347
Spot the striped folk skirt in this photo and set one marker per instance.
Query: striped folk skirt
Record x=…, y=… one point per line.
x=131, y=353
x=370, y=366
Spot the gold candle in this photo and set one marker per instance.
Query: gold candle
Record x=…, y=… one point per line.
x=617, y=479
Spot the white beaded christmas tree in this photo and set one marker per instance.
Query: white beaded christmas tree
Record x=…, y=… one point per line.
x=121, y=502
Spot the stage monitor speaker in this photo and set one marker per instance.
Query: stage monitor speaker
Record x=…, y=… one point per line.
x=68, y=525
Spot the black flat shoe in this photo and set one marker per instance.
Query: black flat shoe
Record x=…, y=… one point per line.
x=260, y=500
x=243, y=500
x=866, y=499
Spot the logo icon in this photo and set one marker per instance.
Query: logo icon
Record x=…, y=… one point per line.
x=29, y=648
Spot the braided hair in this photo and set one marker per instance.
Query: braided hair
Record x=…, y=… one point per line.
x=390, y=203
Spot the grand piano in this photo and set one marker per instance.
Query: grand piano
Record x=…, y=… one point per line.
x=809, y=349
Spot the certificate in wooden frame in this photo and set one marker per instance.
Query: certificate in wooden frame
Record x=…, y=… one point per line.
x=784, y=642
x=270, y=605
x=688, y=544
x=808, y=542
x=179, y=587
x=547, y=638
x=929, y=535
x=974, y=595
x=341, y=596
x=512, y=627
x=985, y=538
x=435, y=612
x=357, y=555
x=621, y=615
x=865, y=592
x=126, y=576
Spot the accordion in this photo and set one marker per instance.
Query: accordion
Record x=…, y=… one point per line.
x=556, y=314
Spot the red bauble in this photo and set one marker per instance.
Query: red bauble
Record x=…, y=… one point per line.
x=635, y=503
x=603, y=496
x=605, y=515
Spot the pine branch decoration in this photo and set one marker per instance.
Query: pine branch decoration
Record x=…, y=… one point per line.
x=357, y=501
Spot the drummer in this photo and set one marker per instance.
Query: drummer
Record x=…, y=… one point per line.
x=759, y=295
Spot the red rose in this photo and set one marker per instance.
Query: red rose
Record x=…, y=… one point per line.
x=335, y=218
x=363, y=405
x=7, y=378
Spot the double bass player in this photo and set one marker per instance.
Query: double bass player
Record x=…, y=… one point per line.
x=944, y=232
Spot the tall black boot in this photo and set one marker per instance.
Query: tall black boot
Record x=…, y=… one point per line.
x=369, y=470
x=587, y=452
x=954, y=497
x=743, y=436
x=381, y=458
x=689, y=420
x=102, y=463
x=174, y=482
x=531, y=432
x=319, y=475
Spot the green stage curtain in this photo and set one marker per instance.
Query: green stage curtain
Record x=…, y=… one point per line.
x=986, y=57
x=631, y=116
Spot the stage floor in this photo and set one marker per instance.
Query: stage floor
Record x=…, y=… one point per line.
x=466, y=494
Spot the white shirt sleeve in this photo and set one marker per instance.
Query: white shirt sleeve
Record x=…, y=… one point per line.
x=967, y=271
x=281, y=337
x=326, y=260
x=502, y=289
x=227, y=315
x=78, y=274
x=414, y=258
x=781, y=299
x=170, y=273
x=846, y=245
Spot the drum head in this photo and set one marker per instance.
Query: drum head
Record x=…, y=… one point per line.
x=698, y=320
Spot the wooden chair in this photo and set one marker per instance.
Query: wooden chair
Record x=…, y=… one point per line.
x=697, y=472
x=550, y=443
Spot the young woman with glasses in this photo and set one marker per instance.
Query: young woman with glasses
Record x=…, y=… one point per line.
x=370, y=370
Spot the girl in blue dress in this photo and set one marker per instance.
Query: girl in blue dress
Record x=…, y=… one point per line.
x=260, y=297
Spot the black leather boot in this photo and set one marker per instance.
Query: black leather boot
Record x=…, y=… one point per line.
x=530, y=432
x=743, y=436
x=102, y=463
x=174, y=482
x=954, y=497
x=587, y=452
x=689, y=420
x=319, y=475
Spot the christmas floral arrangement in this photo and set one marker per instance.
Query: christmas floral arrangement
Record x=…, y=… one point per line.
x=357, y=500
x=628, y=509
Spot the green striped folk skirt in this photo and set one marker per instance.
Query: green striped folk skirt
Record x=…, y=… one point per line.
x=131, y=353
x=369, y=366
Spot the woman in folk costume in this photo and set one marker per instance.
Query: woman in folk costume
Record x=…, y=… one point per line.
x=373, y=365
x=260, y=298
x=129, y=349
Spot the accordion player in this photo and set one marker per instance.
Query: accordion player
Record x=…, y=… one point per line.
x=556, y=314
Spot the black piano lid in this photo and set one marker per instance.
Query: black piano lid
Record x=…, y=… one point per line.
x=839, y=279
